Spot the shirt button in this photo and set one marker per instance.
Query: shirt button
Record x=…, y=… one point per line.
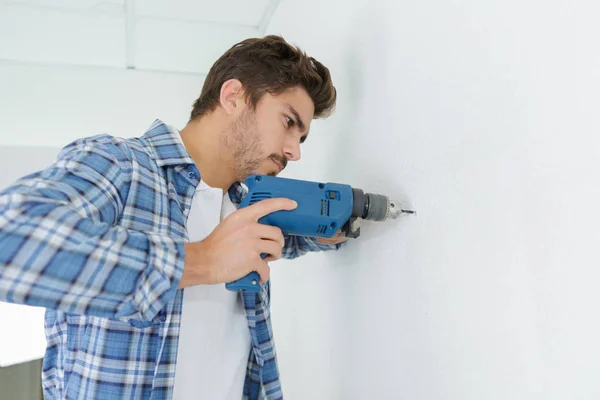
x=192, y=175
x=163, y=318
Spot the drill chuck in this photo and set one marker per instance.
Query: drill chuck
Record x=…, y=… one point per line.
x=374, y=207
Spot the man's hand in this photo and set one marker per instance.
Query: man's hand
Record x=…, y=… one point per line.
x=234, y=248
x=335, y=239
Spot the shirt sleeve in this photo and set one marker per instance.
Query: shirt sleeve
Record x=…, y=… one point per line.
x=296, y=246
x=61, y=248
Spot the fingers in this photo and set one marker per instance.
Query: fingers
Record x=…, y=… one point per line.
x=264, y=271
x=331, y=241
x=335, y=239
x=268, y=259
x=271, y=248
x=270, y=233
x=265, y=207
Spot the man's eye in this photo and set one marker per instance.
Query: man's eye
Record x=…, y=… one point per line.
x=289, y=121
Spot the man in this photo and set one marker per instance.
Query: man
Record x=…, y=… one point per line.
x=128, y=242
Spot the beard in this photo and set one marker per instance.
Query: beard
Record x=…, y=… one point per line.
x=244, y=142
x=243, y=139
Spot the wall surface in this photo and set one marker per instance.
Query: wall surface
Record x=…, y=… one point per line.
x=46, y=105
x=483, y=116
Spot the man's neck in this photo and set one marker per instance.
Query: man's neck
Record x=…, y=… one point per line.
x=201, y=140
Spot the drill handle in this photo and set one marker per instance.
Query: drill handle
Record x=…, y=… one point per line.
x=351, y=229
x=249, y=283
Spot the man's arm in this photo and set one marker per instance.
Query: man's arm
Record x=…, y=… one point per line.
x=60, y=247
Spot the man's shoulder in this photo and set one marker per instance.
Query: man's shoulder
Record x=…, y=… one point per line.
x=147, y=154
x=134, y=151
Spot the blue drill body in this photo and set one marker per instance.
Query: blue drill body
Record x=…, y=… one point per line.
x=323, y=209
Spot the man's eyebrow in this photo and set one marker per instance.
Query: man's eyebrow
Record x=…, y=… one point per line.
x=298, y=119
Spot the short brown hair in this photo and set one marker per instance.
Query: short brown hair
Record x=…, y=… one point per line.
x=267, y=65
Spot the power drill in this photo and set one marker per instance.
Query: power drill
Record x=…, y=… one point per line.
x=323, y=210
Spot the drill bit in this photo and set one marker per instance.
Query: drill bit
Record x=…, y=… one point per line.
x=394, y=211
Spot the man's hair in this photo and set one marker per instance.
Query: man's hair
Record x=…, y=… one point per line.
x=267, y=65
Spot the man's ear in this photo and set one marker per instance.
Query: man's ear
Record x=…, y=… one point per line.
x=231, y=96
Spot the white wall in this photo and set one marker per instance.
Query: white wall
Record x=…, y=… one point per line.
x=46, y=105
x=176, y=35
x=483, y=116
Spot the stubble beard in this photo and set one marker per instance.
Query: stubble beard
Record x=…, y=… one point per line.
x=243, y=140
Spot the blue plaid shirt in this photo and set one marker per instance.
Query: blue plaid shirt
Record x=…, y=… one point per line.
x=98, y=239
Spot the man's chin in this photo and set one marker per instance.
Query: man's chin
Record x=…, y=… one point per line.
x=269, y=173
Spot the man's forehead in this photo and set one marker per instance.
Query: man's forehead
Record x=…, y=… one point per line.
x=299, y=99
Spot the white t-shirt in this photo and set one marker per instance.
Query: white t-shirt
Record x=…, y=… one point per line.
x=214, y=340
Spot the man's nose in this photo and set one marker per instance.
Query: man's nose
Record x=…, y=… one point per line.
x=292, y=150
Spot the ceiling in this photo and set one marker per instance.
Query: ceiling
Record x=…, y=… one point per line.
x=176, y=36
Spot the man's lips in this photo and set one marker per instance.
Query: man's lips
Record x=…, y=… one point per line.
x=279, y=166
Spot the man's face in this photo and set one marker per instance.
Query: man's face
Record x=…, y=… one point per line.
x=264, y=140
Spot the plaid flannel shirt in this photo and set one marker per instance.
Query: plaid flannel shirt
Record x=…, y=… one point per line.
x=98, y=240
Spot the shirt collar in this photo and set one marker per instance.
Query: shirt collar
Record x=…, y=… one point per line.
x=237, y=192
x=169, y=150
x=166, y=144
